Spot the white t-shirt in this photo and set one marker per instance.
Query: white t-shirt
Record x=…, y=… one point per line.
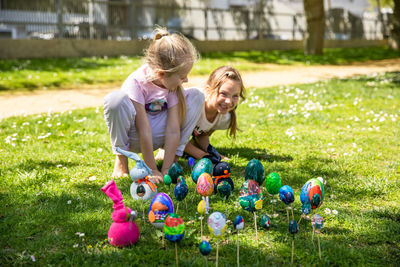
x=221, y=122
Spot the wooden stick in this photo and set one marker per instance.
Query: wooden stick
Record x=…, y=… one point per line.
x=313, y=232
x=177, y=207
x=142, y=210
x=201, y=224
x=319, y=247
x=216, y=260
x=292, y=212
x=255, y=226
x=237, y=244
x=205, y=259
x=287, y=215
x=176, y=253
x=292, y=250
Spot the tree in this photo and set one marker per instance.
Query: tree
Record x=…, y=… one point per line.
x=315, y=20
x=394, y=39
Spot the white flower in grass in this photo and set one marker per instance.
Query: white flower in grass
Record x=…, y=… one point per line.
x=62, y=180
x=327, y=211
x=58, y=123
x=99, y=150
x=335, y=212
x=59, y=166
x=33, y=258
x=75, y=245
x=69, y=202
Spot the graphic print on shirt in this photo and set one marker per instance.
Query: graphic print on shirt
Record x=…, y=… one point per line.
x=156, y=106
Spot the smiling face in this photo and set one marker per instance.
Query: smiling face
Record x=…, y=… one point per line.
x=172, y=81
x=227, y=97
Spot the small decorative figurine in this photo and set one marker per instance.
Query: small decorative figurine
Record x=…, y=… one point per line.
x=217, y=226
x=205, y=250
x=202, y=166
x=191, y=163
x=141, y=188
x=123, y=231
x=174, y=230
x=222, y=180
x=286, y=194
x=201, y=209
x=317, y=221
x=239, y=225
x=205, y=188
x=181, y=190
x=293, y=229
x=250, y=198
x=255, y=171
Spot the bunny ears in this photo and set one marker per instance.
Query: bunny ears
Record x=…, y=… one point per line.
x=140, y=164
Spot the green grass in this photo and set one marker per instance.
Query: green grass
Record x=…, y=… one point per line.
x=31, y=74
x=346, y=131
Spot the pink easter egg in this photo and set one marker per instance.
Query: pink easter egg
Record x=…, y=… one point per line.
x=205, y=185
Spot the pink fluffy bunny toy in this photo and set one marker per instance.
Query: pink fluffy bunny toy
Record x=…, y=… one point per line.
x=123, y=231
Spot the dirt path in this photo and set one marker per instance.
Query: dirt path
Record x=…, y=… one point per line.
x=62, y=100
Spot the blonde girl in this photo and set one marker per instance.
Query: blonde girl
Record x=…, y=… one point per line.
x=152, y=110
x=223, y=91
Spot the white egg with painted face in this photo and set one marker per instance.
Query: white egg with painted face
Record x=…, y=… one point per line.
x=144, y=190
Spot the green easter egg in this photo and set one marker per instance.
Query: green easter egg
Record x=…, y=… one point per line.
x=273, y=183
x=174, y=171
x=202, y=166
x=255, y=171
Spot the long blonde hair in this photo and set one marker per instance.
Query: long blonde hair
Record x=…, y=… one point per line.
x=214, y=83
x=170, y=53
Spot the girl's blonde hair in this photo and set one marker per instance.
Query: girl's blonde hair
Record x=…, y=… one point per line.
x=170, y=53
x=214, y=83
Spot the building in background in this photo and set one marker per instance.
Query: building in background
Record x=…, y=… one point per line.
x=197, y=19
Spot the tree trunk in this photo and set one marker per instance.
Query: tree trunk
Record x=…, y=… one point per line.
x=315, y=20
x=394, y=40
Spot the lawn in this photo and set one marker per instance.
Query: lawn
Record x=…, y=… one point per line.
x=32, y=74
x=346, y=131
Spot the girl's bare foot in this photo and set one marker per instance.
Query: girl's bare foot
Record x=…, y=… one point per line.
x=160, y=154
x=121, y=167
x=225, y=158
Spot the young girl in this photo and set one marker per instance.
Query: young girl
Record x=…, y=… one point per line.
x=222, y=92
x=152, y=110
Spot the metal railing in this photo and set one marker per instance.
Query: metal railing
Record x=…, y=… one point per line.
x=131, y=19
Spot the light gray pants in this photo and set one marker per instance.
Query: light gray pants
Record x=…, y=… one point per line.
x=119, y=114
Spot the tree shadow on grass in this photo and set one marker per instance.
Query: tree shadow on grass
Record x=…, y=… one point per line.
x=254, y=153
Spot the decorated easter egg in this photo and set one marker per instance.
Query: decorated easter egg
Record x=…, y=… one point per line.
x=317, y=221
x=143, y=189
x=167, y=179
x=238, y=223
x=250, y=196
x=205, y=185
x=224, y=189
x=265, y=222
x=181, y=189
x=159, y=208
x=255, y=171
x=312, y=192
x=202, y=166
x=293, y=227
x=217, y=223
x=174, y=171
x=205, y=248
x=221, y=170
x=201, y=207
x=174, y=228
x=306, y=208
x=222, y=173
x=273, y=183
x=286, y=194
x=191, y=162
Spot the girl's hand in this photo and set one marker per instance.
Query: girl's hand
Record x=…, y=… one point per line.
x=156, y=177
